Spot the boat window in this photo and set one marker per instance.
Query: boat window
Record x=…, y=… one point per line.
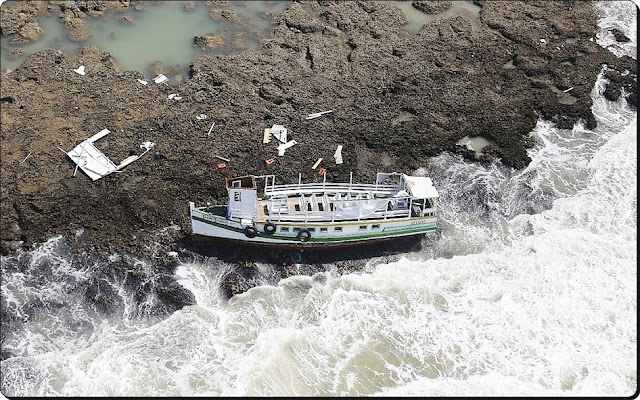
x=338, y=229
x=323, y=229
x=376, y=226
x=236, y=184
x=296, y=229
x=284, y=229
x=312, y=229
x=363, y=227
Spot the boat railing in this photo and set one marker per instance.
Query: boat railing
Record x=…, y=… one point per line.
x=344, y=209
x=330, y=188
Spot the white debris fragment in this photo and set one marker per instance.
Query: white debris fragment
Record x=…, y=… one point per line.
x=160, y=78
x=318, y=114
x=267, y=135
x=279, y=132
x=317, y=163
x=284, y=146
x=25, y=159
x=94, y=162
x=147, y=145
x=210, y=129
x=543, y=41
x=566, y=90
x=338, y=154
x=174, y=96
x=143, y=81
x=202, y=117
x=79, y=70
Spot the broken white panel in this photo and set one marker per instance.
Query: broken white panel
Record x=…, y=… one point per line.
x=267, y=135
x=317, y=163
x=160, y=78
x=91, y=160
x=280, y=133
x=79, y=70
x=338, y=154
x=202, y=117
x=99, y=135
x=318, y=114
x=95, y=163
x=143, y=81
x=284, y=146
x=127, y=161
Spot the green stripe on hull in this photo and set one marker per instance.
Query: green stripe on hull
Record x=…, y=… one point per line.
x=389, y=233
x=223, y=226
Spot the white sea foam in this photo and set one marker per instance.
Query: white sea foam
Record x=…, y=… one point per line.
x=623, y=15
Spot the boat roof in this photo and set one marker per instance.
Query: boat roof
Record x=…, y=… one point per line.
x=241, y=182
x=421, y=187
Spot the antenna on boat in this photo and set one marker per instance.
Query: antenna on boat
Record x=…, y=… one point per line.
x=350, y=179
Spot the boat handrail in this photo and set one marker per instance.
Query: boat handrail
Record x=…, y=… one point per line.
x=330, y=188
x=333, y=216
x=344, y=209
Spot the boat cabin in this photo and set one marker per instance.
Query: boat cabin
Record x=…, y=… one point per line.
x=243, y=197
x=392, y=195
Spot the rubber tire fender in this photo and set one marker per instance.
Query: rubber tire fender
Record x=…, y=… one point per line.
x=304, y=235
x=250, y=232
x=269, y=228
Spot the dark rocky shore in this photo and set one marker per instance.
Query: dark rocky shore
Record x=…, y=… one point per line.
x=399, y=99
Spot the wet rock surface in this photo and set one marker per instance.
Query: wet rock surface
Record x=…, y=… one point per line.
x=432, y=7
x=620, y=37
x=399, y=99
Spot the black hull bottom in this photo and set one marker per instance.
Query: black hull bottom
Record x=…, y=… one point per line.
x=239, y=250
x=306, y=246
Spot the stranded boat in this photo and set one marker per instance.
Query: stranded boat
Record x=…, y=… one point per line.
x=318, y=215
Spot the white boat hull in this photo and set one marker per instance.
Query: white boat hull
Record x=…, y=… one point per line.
x=315, y=235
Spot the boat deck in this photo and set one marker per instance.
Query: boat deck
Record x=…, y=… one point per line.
x=293, y=209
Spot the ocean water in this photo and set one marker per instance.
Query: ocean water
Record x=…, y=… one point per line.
x=162, y=32
x=529, y=289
